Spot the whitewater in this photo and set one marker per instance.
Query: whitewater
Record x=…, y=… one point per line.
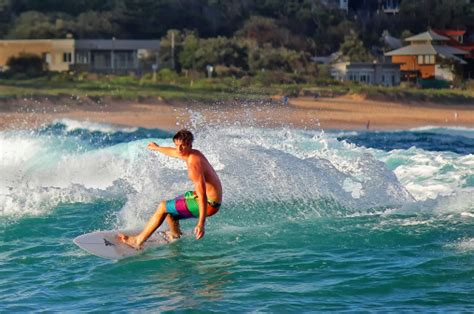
x=312, y=220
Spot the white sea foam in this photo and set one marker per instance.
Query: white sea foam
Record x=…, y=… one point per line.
x=463, y=245
x=459, y=203
x=463, y=131
x=426, y=174
x=15, y=153
x=91, y=126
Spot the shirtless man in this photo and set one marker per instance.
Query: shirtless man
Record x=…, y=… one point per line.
x=204, y=201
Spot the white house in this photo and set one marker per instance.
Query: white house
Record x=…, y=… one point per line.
x=385, y=74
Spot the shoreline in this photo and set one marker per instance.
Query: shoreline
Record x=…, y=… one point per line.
x=349, y=112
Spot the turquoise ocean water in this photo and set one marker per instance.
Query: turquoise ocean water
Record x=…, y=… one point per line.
x=311, y=220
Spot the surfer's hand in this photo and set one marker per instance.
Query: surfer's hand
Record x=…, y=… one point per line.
x=199, y=231
x=153, y=146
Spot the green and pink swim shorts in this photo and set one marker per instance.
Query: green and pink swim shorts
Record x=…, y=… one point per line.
x=186, y=206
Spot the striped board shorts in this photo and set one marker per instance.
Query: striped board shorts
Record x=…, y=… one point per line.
x=186, y=206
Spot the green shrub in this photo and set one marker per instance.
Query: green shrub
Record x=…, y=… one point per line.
x=469, y=85
x=59, y=77
x=246, y=81
x=167, y=75
x=124, y=80
x=267, y=78
x=222, y=70
x=26, y=65
x=291, y=91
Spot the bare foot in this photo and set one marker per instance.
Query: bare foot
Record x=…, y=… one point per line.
x=170, y=236
x=173, y=235
x=129, y=240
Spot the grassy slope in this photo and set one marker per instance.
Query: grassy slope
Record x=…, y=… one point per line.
x=214, y=90
x=129, y=88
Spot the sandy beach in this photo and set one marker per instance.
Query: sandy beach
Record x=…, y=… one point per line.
x=346, y=112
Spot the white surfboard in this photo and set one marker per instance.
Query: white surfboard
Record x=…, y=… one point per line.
x=105, y=243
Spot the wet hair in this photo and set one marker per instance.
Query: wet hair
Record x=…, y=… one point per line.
x=184, y=135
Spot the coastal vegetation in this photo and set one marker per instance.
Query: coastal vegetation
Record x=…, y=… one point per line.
x=256, y=48
x=171, y=86
x=314, y=26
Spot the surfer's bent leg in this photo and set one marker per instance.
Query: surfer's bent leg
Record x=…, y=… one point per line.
x=183, y=207
x=174, y=227
x=155, y=221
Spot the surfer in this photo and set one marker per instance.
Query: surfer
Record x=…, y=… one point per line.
x=204, y=201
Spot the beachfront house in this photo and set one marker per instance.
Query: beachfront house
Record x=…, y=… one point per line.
x=56, y=53
x=95, y=55
x=384, y=74
x=457, y=40
x=427, y=56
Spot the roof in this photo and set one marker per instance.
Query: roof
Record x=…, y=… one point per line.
x=465, y=47
x=411, y=50
x=392, y=42
x=450, y=52
x=429, y=35
x=450, y=32
x=327, y=59
x=323, y=60
x=428, y=49
x=116, y=44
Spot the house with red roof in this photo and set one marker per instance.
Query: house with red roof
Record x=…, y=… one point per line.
x=457, y=40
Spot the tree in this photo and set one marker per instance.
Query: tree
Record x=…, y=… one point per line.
x=94, y=24
x=5, y=16
x=282, y=59
x=263, y=30
x=405, y=34
x=36, y=25
x=142, y=18
x=353, y=49
x=267, y=30
x=187, y=56
x=221, y=51
x=69, y=7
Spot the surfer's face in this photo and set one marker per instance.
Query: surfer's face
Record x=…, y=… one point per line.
x=183, y=148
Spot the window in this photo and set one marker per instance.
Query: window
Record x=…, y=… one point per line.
x=47, y=57
x=100, y=59
x=67, y=57
x=82, y=57
x=124, y=60
x=426, y=59
x=420, y=60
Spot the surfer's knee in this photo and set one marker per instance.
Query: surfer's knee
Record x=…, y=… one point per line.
x=162, y=207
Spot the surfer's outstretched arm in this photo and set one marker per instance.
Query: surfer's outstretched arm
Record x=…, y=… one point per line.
x=168, y=151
